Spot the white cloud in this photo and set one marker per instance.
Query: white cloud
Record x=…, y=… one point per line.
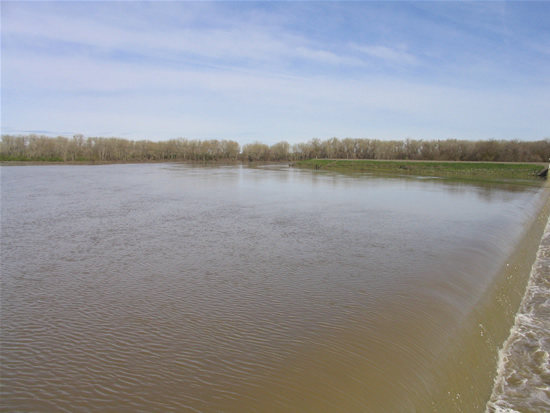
x=203, y=75
x=324, y=56
x=388, y=54
x=165, y=103
x=238, y=45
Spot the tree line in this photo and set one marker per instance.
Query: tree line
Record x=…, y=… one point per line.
x=99, y=149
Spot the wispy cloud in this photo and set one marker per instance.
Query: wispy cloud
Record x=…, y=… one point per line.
x=243, y=44
x=393, y=55
x=323, y=56
x=285, y=70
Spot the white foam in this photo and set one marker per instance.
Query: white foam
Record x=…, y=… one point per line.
x=521, y=381
x=497, y=409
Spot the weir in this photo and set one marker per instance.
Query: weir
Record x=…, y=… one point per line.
x=466, y=374
x=544, y=172
x=522, y=383
x=491, y=322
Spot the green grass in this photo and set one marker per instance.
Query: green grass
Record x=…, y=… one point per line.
x=429, y=168
x=14, y=158
x=56, y=159
x=8, y=158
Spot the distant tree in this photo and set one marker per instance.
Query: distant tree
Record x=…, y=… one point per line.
x=255, y=152
x=230, y=149
x=39, y=147
x=280, y=151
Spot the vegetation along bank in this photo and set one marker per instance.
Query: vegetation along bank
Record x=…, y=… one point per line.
x=100, y=150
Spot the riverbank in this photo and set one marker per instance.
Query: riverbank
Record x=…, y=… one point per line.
x=428, y=168
x=455, y=169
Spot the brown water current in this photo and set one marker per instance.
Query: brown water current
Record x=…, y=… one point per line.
x=174, y=287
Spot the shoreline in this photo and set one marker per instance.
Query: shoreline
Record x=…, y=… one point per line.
x=399, y=167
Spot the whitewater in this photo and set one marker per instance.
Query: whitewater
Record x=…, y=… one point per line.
x=523, y=378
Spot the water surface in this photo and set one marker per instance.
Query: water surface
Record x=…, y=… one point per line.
x=173, y=287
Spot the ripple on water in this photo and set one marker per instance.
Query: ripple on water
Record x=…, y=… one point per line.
x=203, y=289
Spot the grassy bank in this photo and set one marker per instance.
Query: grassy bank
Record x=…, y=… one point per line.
x=428, y=168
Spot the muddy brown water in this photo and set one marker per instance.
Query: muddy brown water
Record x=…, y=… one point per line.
x=174, y=287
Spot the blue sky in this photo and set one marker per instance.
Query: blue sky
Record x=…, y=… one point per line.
x=272, y=71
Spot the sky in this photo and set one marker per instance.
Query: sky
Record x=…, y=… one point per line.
x=273, y=71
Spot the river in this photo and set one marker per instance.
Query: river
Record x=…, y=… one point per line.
x=179, y=287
